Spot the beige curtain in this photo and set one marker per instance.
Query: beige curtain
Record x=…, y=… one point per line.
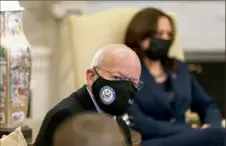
x=82, y=36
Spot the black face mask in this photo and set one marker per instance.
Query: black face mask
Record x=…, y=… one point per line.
x=113, y=97
x=158, y=49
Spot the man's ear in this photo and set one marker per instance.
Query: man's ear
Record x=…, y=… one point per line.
x=90, y=77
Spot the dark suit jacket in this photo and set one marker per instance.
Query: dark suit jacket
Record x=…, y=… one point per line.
x=78, y=102
x=153, y=115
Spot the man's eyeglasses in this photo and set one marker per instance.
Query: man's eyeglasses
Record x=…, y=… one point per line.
x=119, y=76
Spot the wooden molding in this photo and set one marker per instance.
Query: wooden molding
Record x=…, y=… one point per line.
x=205, y=56
x=62, y=8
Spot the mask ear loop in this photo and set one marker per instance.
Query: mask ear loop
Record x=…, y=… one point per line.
x=96, y=71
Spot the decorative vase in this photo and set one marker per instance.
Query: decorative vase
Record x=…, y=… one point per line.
x=15, y=67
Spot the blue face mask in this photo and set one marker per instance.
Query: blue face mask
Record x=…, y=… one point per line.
x=158, y=49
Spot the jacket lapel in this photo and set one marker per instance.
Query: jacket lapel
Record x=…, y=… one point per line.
x=179, y=83
x=155, y=88
x=125, y=130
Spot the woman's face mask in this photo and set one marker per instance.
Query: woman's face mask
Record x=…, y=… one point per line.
x=160, y=43
x=158, y=49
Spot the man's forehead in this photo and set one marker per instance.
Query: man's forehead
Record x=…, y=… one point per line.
x=123, y=61
x=125, y=70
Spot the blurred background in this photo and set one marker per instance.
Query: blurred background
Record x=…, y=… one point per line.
x=202, y=30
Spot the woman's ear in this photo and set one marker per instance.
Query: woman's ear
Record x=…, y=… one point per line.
x=145, y=44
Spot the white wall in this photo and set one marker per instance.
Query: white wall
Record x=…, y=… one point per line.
x=42, y=32
x=201, y=24
x=40, y=81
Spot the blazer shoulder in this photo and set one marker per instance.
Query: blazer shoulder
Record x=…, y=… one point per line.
x=67, y=102
x=60, y=111
x=180, y=65
x=52, y=120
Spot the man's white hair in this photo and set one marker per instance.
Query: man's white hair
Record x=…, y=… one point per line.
x=112, y=49
x=98, y=58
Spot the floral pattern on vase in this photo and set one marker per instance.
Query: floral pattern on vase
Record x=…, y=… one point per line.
x=19, y=75
x=3, y=76
x=15, y=71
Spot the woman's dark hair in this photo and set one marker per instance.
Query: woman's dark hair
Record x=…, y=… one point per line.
x=144, y=25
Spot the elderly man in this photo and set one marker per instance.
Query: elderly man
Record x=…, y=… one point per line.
x=112, y=81
x=88, y=129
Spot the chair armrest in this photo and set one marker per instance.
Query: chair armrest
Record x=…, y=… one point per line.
x=136, y=138
x=192, y=119
x=224, y=123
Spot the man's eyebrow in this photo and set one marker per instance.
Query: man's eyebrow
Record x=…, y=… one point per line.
x=126, y=76
x=118, y=72
x=121, y=74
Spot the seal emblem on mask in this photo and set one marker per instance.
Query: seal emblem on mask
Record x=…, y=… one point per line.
x=107, y=95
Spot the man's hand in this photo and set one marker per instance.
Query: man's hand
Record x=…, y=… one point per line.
x=204, y=126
